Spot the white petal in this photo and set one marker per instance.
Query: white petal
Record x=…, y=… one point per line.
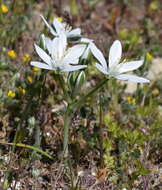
x=62, y=44
x=70, y=68
x=102, y=69
x=55, y=44
x=59, y=46
x=115, y=53
x=74, y=53
x=43, y=55
x=132, y=78
x=48, y=42
x=85, y=40
x=58, y=26
x=98, y=55
x=74, y=32
x=130, y=66
x=51, y=29
x=40, y=65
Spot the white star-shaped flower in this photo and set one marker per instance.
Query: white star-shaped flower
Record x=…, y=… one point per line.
x=57, y=28
x=115, y=68
x=60, y=57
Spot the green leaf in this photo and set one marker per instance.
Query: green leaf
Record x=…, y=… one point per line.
x=29, y=147
x=135, y=153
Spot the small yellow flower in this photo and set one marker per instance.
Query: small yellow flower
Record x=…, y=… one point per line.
x=26, y=58
x=11, y=94
x=149, y=57
x=4, y=9
x=35, y=69
x=22, y=90
x=29, y=79
x=154, y=6
x=123, y=34
x=12, y=54
x=131, y=100
x=155, y=91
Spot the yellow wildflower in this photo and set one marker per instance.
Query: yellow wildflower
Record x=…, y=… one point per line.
x=35, y=69
x=154, y=6
x=123, y=34
x=155, y=91
x=11, y=94
x=22, y=90
x=29, y=79
x=26, y=58
x=131, y=100
x=12, y=54
x=149, y=57
x=4, y=9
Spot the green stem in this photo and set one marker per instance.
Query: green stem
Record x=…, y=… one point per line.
x=62, y=84
x=74, y=7
x=67, y=121
x=1, y=15
x=24, y=114
x=29, y=147
x=37, y=136
x=82, y=99
x=71, y=109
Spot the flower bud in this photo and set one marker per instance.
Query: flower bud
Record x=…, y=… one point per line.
x=76, y=81
x=80, y=80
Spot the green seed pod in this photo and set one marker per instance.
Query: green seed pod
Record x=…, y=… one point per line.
x=42, y=43
x=80, y=80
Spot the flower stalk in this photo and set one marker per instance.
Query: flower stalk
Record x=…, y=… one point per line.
x=67, y=122
x=89, y=94
x=71, y=109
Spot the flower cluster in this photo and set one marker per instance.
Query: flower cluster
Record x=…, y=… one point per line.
x=58, y=56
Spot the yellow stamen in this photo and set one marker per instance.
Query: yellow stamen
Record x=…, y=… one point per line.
x=59, y=19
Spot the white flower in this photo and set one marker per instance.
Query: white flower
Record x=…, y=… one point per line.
x=57, y=28
x=60, y=57
x=115, y=68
